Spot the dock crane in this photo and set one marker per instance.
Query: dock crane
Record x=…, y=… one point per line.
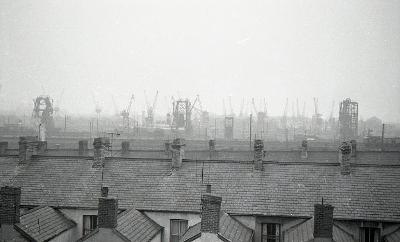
x=316, y=119
x=150, y=109
x=125, y=113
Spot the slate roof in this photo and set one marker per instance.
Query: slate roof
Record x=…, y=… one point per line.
x=137, y=227
x=43, y=223
x=393, y=237
x=304, y=232
x=282, y=189
x=229, y=228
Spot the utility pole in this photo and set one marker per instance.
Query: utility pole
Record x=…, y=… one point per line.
x=383, y=136
x=251, y=117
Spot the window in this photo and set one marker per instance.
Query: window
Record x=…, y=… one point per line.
x=369, y=234
x=270, y=232
x=178, y=228
x=89, y=223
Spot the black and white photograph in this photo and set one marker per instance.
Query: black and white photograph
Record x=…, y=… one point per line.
x=199, y=121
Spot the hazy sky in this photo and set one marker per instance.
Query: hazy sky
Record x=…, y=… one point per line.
x=214, y=48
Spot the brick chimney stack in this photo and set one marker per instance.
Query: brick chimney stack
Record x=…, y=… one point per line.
x=178, y=153
x=304, y=150
x=83, y=147
x=125, y=147
x=108, y=212
x=258, y=154
x=323, y=223
x=344, y=157
x=10, y=200
x=99, y=154
x=3, y=148
x=211, y=208
x=28, y=146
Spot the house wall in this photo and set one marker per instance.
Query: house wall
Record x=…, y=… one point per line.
x=104, y=235
x=157, y=238
x=77, y=216
x=68, y=236
x=163, y=219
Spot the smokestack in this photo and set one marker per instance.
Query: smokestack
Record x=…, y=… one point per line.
x=3, y=148
x=178, y=153
x=108, y=212
x=323, y=223
x=211, y=208
x=304, y=149
x=28, y=146
x=344, y=157
x=211, y=144
x=258, y=154
x=83, y=147
x=125, y=147
x=99, y=154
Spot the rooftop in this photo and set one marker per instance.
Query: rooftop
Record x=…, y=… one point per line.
x=281, y=189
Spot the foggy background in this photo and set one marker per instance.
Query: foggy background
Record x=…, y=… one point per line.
x=272, y=49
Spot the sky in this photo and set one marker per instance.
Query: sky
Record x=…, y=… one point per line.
x=94, y=51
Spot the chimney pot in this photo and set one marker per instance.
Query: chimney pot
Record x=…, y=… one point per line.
x=258, y=154
x=83, y=147
x=353, y=148
x=104, y=191
x=211, y=208
x=10, y=200
x=304, y=149
x=323, y=221
x=178, y=152
x=208, y=188
x=125, y=147
x=108, y=212
x=3, y=148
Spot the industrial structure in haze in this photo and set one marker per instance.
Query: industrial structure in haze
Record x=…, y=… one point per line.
x=43, y=116
x=348, y=120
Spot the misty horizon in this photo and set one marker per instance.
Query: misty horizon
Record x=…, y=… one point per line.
x=93, y=52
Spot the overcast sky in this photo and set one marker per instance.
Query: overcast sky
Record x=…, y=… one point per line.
x=214, y=48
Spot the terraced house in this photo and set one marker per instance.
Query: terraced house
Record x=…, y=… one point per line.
x=287, y=195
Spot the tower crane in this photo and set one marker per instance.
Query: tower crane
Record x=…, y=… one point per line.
x=125, y=113
x=150, y=109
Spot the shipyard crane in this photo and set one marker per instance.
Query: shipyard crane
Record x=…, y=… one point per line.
x=125, y=113
x=150, y=109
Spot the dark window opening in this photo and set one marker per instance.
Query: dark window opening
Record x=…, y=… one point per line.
x=177, y=229
x=89, y=223
x=271, y=232
x=370, y=234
